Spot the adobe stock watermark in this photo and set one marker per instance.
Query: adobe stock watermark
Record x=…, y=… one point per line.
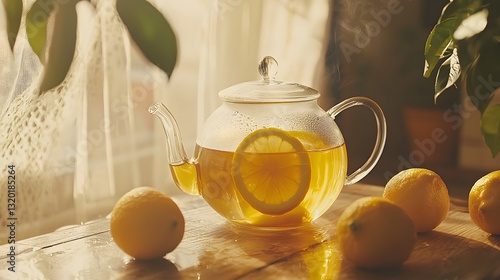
x=226, y=6
x=372, y=23
x=454, y=117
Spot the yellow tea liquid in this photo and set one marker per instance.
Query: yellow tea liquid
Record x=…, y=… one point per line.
x=210, y=175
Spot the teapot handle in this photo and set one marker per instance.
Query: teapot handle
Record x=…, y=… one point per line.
x=381, y=134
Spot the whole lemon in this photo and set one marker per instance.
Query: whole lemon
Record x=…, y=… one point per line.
x=422, y=194
x=375, y=233
x=146, y=224
x=484, y=203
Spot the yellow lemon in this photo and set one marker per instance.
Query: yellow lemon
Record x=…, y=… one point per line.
x=146, y=224
x=422, y=194
x=271, y=170
x=484, y=203
x=375, y=233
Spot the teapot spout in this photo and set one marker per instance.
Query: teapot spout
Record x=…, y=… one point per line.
x=175, y=148
x=183, y=170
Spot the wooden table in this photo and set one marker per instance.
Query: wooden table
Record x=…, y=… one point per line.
x=214, y=249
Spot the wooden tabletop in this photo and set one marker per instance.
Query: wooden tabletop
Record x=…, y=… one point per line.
x=215, y=249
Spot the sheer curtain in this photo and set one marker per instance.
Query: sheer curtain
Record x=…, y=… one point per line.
x=79, y=147
x=239, y=33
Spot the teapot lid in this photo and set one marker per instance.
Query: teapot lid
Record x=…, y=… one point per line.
x=268, y=90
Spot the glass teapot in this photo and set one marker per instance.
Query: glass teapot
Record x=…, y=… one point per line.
x=269, y=156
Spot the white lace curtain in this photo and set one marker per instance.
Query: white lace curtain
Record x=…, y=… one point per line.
x=79, y=147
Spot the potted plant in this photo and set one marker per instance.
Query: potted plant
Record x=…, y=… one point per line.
x=464, y=48
x=432, y=138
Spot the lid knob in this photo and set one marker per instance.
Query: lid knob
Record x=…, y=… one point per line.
x=268, y=90
x=268, y=68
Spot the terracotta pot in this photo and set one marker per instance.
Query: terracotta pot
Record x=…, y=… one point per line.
x=433, y=136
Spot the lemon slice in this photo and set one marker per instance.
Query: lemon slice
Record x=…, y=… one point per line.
x=310, y=140
x=272, y=171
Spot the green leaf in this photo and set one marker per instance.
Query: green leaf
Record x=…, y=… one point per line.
x=440, y=39
x=472, y=25
x=437, y=43
x=490, y=126
x=62, y=46
x=150, y=31
x=36, y=26
x=459, y=8
x=470, y=48
x=448, y=74
x=13, y=12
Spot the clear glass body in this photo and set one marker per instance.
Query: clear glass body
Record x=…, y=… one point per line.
x=209, y=173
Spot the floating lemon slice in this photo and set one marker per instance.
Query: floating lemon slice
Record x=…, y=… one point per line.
x=272, y=171
x=310, y=140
